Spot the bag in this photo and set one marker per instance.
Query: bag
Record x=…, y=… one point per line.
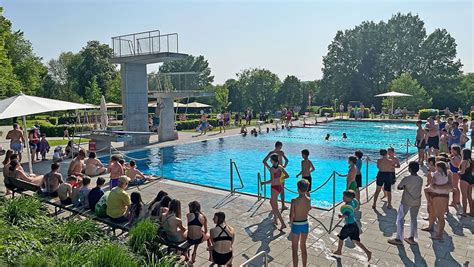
x=101, y=206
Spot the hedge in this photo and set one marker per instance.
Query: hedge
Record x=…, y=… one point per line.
x=193, y=124
x=423, y=114
x=472, y=116
x=366, y=113
x=322, y=111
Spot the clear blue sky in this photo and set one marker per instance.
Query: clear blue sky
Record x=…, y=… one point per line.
x=286, y=37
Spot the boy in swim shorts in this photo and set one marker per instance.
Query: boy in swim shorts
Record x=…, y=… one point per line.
x=350, y=229
x=384, y=178
x=358, y=178
x=307, y=168
x=299, y=210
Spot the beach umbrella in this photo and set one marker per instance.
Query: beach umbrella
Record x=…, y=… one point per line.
x=104, y=119
x=22, y=105
x=392, y=94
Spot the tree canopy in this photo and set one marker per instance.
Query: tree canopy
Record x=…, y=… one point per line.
x=406, y=84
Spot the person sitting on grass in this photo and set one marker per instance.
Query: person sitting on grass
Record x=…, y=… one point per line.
x=84, y=192
x=118, y=201
x=197, y=228
x=65, y=190
x=136, y=176
x=51, y=181
x=96, y=193
x=137, y=210
x=411, y=201
x=350, y=229
x=299, y=210
x=94, y=166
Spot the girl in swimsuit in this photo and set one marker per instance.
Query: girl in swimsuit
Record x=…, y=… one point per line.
x=197, y=227
x=160, y=212
x=438, y=177
x=278, y=174
x=351, y=183
x=222, y=239
x=172, y=223
x=467, y=182
x=454, y=164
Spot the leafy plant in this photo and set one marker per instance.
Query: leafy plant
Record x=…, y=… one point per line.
x=19, y=211
x=322, y=111
x=423, y=114
x=77, y=231
x=111, y=255
x=142, y=235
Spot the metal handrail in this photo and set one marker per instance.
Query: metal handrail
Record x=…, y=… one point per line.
x=233, y=165
x=265, y=259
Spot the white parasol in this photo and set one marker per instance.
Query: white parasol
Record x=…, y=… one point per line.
x=392, y=94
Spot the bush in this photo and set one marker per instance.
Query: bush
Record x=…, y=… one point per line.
x=76, y=231
x=314, y=109
x=472, y=115
x=20, y=211
x=322, y=111
x=53, y=120
x=112, y=255
x=193, y=124
x=142, y=236
x=423, y=114
x=66, y=120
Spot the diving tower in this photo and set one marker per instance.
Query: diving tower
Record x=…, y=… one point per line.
x=134, y=52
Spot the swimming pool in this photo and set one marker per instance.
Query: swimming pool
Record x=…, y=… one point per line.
x=207, y=162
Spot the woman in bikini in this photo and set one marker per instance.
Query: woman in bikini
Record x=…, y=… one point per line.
x=277, y=174
x=197, y=227
x=222, y=239
x=466, y=182
x=172, y=223
x=454, y=164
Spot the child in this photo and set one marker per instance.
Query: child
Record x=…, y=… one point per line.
x=116, y=170
x=358, y=177
x=438, y=177
x=43, y=146
x=132, y=172
x=395, y=164
x=411, y=201
x=65, y=190
x=307, y=168
x=84, y=192
x=300, y=208
x=344, y=136
x=350, y=229
x=58, y=154
x=420, y=142
x=277, y=172
x=136, y=208
x=96, y=193
x=443, y=141
x=282, y=160
x=328, y=136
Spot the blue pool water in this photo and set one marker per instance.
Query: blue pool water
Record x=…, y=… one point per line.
x=207, y=163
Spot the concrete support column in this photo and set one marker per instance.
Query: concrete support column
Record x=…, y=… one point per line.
x=166, y=128
x=135, y=101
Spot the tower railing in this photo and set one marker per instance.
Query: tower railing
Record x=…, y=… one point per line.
x=145, y=43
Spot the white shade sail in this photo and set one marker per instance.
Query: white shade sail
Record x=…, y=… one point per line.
x=392, y=94
x=22, y=105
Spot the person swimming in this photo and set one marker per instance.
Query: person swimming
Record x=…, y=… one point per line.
x=328, y=136
x=344, y=136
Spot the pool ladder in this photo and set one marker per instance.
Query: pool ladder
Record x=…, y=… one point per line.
x=233, y=166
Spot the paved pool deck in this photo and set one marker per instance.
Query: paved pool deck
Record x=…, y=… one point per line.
x=255, y=232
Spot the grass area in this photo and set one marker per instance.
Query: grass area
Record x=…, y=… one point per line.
x=61, y=142
x=253, y=123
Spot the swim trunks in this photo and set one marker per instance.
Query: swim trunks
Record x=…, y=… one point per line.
x=353, y=186
x=433, y=142
x=137, y=181
x=16, y=147
x=114, y=183
x=394, y=177
x=350, y=230
x=277, y=187
x=421, y=144
x=358, y=180
x=384, y=179
x=310, y=180
x=453, y=168
x=300, y=227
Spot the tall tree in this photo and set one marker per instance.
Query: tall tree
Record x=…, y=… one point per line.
x=221, y=93
x=189, y=64
x=235, y=95
x=260, y=86
x=93, y=93
x=290, y=93
x=406, y=84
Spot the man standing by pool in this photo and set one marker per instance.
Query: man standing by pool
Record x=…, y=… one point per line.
x=281, y=158
x=433, y=136
x=17, y=141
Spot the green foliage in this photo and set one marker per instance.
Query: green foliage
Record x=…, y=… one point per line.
x=9, y=84
x=21, y=211
x=77, y=231
x=423, y=114
x=221, y=93
x=112, y=254
x=92, y=93
x=142, y=235
x=235, y=95
x=466, y=91
x=314, y=109
x=14, y=242
x=322, y=111
x=193, y=124
x=472, y=115
x=406, y=84
x=290, y=93
x=53, y=120
x=259, y=87
x=189, y=64
x=361, y=62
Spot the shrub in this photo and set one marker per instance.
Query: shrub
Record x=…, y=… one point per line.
x=21, y=211
x=314, y=109
x=66, y=120
x=53, y=120
x=193, y=124
x=112, y=255
x=142, y=235
x=423, y=114
x=322, y=111
x=472, y=115
x=76, y=231
x=14, y=242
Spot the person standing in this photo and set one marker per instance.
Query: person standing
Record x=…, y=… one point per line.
x=300, y=208
x=471, y=126
x=220, y=120
x=433, y=136
x=283, y=161
x=466, y=182
x=411, y=201
x=17, y=140
x=384, y=178
x=307, y=168
x=341, y=110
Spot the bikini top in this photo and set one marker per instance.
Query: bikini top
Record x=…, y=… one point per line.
x=195, y=221
x=227, y=237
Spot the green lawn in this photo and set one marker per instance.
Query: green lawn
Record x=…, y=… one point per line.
x=61, y=142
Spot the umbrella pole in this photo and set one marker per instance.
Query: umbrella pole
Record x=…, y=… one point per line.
x=30, y=165
x=393, y=112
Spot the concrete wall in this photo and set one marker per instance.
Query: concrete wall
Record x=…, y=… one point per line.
x=135, y=101
x=166, y=128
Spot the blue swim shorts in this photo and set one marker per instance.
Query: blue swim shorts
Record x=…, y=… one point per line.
x=300, y=227
x=17, y=147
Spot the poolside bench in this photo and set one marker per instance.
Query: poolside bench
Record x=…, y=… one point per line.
x=182, y=246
